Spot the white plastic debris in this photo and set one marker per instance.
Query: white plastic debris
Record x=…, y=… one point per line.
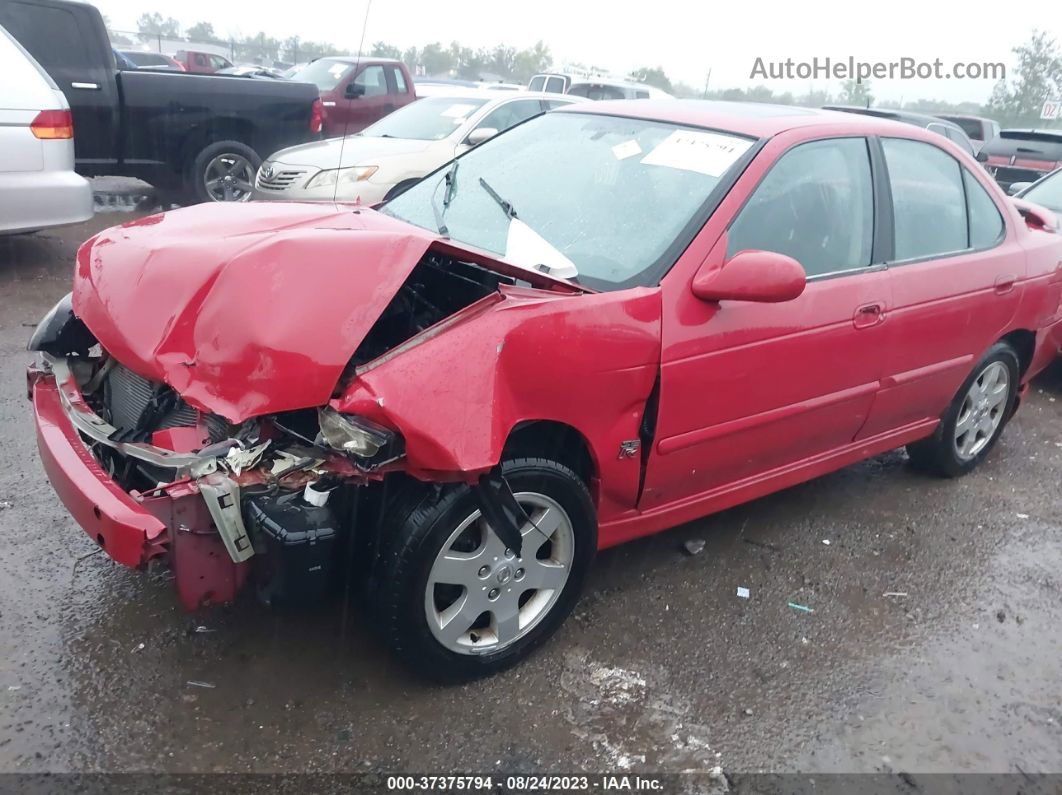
x=315, y=497
x=695, y=546
x=139, y=647
x=826, y=541
x=1023, y=516
x=195, y=683
x=743, y=592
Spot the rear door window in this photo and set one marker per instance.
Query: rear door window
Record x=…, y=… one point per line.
x=537, y=83
x=51, y=35
x=928, y=199
x=816, y=205
x=399, y=79
x=511, y=113
x=986, y=224
x=555, y=85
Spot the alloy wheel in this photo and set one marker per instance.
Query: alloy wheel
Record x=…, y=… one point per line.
x=481, y=597
x=982, y=410
x=229, y=177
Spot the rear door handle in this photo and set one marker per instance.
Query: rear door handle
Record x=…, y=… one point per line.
x=86, y=86
x=869, y=315
x=1004, y=284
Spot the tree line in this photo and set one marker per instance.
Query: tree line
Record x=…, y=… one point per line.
x=1015, y=101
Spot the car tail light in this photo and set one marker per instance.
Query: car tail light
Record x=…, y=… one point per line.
x=51, y=124
x=316, y=116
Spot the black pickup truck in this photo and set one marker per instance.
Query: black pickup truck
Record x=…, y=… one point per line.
x=199, y=136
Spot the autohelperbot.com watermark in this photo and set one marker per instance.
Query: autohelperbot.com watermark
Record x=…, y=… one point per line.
x=850, y=68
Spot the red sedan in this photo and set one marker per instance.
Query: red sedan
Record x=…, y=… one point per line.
x=607, y=321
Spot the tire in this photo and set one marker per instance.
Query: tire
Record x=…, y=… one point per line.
x=953, y=451
x=415, y=590
x=237, y=182
x=400, y=188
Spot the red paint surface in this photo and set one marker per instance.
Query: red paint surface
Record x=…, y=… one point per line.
x=252, y=309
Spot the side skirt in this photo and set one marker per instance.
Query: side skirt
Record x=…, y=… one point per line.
x=636, y=525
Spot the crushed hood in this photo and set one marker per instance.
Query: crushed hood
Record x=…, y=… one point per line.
x=248, y=309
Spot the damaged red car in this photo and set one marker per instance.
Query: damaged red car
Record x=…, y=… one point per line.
x=612, y=319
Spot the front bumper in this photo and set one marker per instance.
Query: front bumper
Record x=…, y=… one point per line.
x=126, y=530
x=178, y=522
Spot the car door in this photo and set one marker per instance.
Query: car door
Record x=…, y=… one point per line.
x=66, y=43
x=364, y=99
x=956, y=279
x=748, y=390
x=398, y=88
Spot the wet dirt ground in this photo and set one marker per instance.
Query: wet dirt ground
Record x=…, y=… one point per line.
x=661, y=668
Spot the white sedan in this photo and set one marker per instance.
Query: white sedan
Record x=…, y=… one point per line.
x=387, y=157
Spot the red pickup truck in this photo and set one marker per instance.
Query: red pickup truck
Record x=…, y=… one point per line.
x=357, y=91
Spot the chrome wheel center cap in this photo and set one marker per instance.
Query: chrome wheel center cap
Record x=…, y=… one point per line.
x=503, y=575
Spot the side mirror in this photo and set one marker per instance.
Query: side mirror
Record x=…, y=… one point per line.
x=479, y=135
x=761, y=276
x=354, y=90
x=1017, y=187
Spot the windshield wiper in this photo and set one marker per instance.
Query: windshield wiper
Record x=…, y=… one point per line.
x=450, y=180
x=507, y=208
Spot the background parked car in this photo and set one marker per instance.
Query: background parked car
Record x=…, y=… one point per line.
x=977, y=128
x=615, y=89
x=38, y=186
x=357, y=91
x=200, y=136
x=931, y=123
x=148, y=60
x=550, y=82
x=389, y=156
x=1022, y=155
x=204, y=63
x=251, y=70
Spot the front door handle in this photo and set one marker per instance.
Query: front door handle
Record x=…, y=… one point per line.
x=1004, y=284
x=86, y=86
x=869, y=315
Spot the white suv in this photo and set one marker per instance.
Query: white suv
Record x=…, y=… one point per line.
x=38, y=186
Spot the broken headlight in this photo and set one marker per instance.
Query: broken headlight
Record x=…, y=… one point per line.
x=358, y=436
x=344, y=176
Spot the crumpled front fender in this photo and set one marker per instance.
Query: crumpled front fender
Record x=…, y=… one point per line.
x=588, y=361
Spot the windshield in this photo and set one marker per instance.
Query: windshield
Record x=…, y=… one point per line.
x=1048, y=193
x=614, y=196
x=430, y=119
x=324, y=73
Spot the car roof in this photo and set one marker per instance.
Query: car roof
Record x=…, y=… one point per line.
x=757, y=119
x=359, y=59
x=921, y=119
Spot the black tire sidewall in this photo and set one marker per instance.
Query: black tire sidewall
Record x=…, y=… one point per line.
x=196, y=185
x=948, y=457
x=427, y=528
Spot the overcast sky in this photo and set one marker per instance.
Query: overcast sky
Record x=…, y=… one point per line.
x=685, y=37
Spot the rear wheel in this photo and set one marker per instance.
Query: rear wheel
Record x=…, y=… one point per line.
x=455, y=603
x=976, y=418
x=223, y=171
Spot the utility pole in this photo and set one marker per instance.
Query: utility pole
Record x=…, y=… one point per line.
x=706, y=79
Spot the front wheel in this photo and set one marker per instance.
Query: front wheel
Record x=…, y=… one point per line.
x=976, y=418
x=455, y=603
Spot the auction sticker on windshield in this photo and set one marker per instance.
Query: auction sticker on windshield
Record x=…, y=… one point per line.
x=703, y=152
x=626, y=149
